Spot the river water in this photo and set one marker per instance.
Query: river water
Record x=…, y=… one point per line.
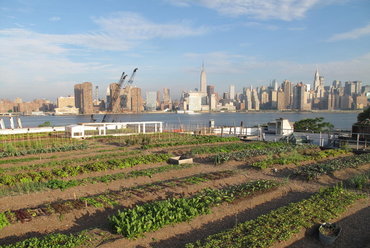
x=341, y=120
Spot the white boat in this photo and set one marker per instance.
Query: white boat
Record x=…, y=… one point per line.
x=191, y=112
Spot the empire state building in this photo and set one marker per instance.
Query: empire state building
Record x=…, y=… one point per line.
x=203, y=81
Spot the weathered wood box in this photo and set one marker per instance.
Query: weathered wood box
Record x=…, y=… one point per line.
x=179, y=160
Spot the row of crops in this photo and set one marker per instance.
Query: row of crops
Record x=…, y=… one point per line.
x=282, y=223
x=297, y=157
x=9, y=151
x=278, y=153
x=65, y=184
x=245, y=155
x=155, y=205
x=312, y=171
x=278, y=225
x=47, y=145
x=148, y=141
x=154, y=215
x=64, y=162
x=72, y=170
x=107, y=199
x=132, y=222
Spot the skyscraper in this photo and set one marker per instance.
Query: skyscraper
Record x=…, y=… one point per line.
x=151, y=101
x=84, y=97
x=210, y=90
x=203, y=80
x=136, y=100
x=318, y=85
x=167, y=103
x=232, y=92
x=316, y=81
x=247, y=98
x=300, y=97
x=114, y=105
x=288, y=94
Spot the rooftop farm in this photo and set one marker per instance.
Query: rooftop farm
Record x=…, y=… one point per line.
x=121, y=191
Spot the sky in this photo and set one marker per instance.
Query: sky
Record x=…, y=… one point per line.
x=48, y=46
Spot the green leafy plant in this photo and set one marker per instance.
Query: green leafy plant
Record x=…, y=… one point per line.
x=246, y=154
x=296, y=157
x=194, y=140
x=110, y=198
x=52, y=241
x=70, y=170
x=3, y=220
x=12, y=152
x=360, y=182
x=282, y=223
x=312, y=171
x=152, y=216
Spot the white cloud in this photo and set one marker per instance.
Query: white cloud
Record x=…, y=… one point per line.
x=54, y=18
x=32, y=64
x=261, y=9
x=351, y=35
x=44, y=64
x=119, y=32
x=134, y=26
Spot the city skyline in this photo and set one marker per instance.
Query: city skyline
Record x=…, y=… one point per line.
x=127, y=98
x=48, y=47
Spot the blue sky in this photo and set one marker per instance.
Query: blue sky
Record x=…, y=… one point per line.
x=47, y=46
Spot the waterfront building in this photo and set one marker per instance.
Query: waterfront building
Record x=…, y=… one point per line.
x=195, y=101
x=264, y=100
x=287, y=87
x=300, y=97
x=273, y=99
x=247, y=98
x=346, y=102
x=213, y=102
x=84, y=98
x=151, y=101
x=6, y=106
x=360, y=102
x=255, y=100
x=137, y=103
x=66, y=106
x=166, y=103
x=280, y=105
x=66, y=101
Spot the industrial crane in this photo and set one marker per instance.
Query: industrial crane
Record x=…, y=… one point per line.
x=131, y=80
x=115, y=101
